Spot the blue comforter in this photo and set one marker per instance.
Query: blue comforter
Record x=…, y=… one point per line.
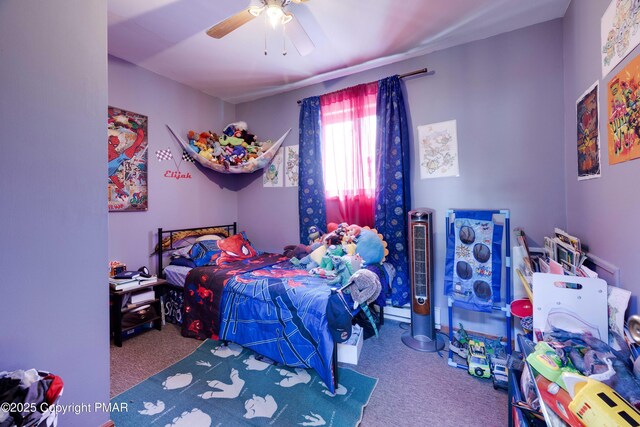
x=267, y=304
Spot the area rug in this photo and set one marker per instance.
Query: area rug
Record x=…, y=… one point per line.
x=219, y=385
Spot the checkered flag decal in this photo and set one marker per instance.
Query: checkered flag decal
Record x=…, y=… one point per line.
x=187, y=157
x=164, y=154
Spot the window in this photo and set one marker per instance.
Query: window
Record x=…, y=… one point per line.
x=348, y=153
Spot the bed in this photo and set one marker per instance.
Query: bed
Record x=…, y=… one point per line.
x=261, y=301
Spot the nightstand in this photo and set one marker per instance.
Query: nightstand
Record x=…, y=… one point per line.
x=129, y=319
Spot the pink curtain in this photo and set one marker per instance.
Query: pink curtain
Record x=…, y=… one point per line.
x=348, y=153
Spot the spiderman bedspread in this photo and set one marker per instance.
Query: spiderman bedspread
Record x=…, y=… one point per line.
x=264, y=303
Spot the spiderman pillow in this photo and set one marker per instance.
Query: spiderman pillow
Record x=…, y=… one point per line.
x=221, y=252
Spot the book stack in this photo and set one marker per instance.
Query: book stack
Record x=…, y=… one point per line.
x=563, y=254
x=565, y=250
x=129, y=280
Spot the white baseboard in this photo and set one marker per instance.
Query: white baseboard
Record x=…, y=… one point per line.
x=400, y=314
x=403, y=314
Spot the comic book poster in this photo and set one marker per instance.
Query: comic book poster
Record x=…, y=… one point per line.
x=127, y=139
x=292, y=158
x=619, y=32
x=588, y=134
x=438, y=150
x=623, y=111
x=273, y=173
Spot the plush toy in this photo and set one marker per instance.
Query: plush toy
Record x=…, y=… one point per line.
x=354, y=262
x=231, y=128
x=247, y=137
x=350, y=248
x=217, y=149
x=333, y=252
x=207, y=153
x=364, y=287
x=352, y=233
x=371, y=247
x=230, y=140
x=296, y=251
x=313, y=259
x=314, y=234
x=201, y=144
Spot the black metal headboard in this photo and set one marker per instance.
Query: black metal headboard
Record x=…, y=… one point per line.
x=178, y=235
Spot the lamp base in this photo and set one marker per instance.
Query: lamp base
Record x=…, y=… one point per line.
x=423, y=343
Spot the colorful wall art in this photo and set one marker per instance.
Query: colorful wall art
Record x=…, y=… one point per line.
x=273, y=175
x=166, y=155
x=127, y=139
x=623, y=111
x=588, y=134
x=619, y=32
x=292, y=159
x=438, y=150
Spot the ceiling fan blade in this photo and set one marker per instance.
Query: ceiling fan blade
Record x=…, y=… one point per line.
x=233, y=22
x=299, y=1
x=299, y=37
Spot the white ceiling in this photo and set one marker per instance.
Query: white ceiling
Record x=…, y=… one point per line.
x=168, y=37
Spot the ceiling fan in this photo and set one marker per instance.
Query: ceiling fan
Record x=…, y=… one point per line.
x=276, y=13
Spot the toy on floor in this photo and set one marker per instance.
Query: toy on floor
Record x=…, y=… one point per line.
x=459, y=344
x=499, y=373
x=478, y=364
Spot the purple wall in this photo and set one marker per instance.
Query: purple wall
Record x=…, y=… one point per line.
x=204, y=199
x=53, y=97
x=505, y=93
x=601, y=211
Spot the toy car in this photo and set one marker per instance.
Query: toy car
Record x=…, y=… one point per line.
x=478, y=364
x=459, y=344
x=499, y=373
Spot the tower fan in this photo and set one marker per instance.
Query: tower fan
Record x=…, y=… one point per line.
x=422, y=335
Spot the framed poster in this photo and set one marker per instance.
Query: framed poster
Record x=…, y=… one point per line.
x=588, y=138
x=438, y=150
x=292, y=158
x=619, y=32
x=273, y=175
x=127, y=147
x=624, y=114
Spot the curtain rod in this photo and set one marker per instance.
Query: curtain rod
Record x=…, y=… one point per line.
x=402, y=76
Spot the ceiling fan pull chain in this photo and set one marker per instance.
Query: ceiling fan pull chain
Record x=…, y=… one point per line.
x=284, y=40
x=265, y=35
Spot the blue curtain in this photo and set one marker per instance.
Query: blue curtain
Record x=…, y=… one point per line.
x=393, y=195
x=311, y=203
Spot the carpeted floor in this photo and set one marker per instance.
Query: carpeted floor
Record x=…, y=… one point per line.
x=414, y=388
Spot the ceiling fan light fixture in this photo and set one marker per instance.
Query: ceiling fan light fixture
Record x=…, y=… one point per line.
x=275, y=14
x=256, y=10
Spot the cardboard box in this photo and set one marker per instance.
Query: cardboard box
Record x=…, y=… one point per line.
x=349, y=351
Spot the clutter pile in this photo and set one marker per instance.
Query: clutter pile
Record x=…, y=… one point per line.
x=233, y=147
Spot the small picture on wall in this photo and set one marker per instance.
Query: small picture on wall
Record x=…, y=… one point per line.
x=127, y=148
x=291, y=161
x=619, y=32
x=273, y=175
x=588, y=134
x=438, y=150
x=624, y=114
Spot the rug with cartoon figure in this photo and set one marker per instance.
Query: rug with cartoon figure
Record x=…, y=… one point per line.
x=231, y=385
x=474, y=260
